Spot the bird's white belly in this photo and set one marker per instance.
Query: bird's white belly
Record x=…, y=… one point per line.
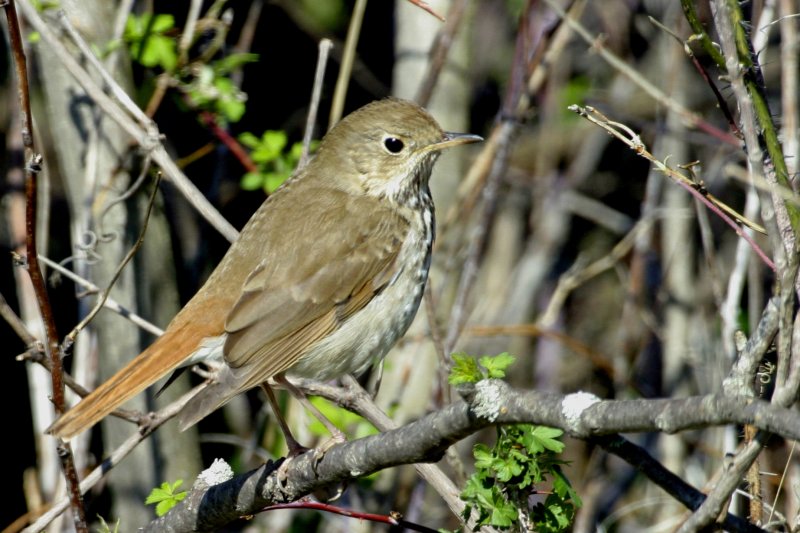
x=369, y=334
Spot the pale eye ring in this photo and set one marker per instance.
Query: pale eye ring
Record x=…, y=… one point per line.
x=393, y=145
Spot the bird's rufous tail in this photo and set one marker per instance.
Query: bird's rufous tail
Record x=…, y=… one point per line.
x=163, y=356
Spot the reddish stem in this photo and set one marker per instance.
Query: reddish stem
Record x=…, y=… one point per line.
x=393, y=519
x=33, y=164
x=227, y=139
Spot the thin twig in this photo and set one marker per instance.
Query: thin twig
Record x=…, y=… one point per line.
x=640, y=459
x=348, y=55
x=109, y=303
x=772, y=510
x=700, y=33
x=70, y=338
x=439, y=51
x=154, y=421
x=691, y=119
x=33, y=163
x=424, y=6
x=325, y=46
x=237, y=150
x=729, y=480
x=187, y=36
x=790, y=80
x=726, y=213
x=442, y=388
x=35, y=355
x=147, y=137
x=722, y=103
x=575, y=277
x=763, y=148
x=16, y=323
x=111, y=85
x=120, y=21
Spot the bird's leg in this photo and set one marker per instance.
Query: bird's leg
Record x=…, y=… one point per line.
x=295, y=448
x=338, y=436
x=374, y=384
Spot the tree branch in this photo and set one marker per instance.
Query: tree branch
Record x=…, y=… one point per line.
x=580, y=415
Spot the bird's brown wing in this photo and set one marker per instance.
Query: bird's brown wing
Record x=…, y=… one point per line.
x=278, y=317
x=304, y=294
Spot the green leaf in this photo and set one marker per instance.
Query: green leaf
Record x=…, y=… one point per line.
x=504, y=513
x=248, y=139
x=497, y=365
x=273, y=180
x=162, y=23
x=232, y=109
x=148, y=46
x=554, y=516
x=297, y=151
x=224, y=86
x=465, y=370
x=268, y=147
x=563, y=488
x=158, y=51
x=232, y=62
x=484, y=457
x=505, y=474
x=252, y=181
x=542, y=438
x=165, y=497
x=272, y=144
x=507, y=469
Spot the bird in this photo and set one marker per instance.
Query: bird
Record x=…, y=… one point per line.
x=322, y=281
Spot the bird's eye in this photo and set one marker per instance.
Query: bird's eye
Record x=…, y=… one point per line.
x=393, y=145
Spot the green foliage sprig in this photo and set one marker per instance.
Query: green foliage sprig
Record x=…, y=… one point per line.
x=274, y=164
x=503, y=488
x=148, y=41
x=211, y=88
x=166, y=497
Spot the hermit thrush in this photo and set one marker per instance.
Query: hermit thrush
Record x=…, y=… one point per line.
x=324, y=278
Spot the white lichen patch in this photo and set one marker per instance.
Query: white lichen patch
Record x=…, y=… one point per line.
x=573, y=405
x=487, y=400
x=218, y=472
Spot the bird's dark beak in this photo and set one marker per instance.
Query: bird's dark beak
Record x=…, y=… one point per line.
x=454, y=139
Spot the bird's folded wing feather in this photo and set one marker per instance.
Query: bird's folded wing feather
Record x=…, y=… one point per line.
x=282, y=312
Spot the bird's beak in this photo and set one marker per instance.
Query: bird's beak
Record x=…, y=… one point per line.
x=454, y=139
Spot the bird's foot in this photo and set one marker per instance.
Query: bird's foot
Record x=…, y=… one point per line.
x=337, y=437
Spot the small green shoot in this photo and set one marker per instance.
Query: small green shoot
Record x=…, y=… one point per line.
x=105, y=528
x=467, y=370
x=165, y=497
x=212, y=89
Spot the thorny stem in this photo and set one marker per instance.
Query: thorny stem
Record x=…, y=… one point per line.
x=33, y=163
